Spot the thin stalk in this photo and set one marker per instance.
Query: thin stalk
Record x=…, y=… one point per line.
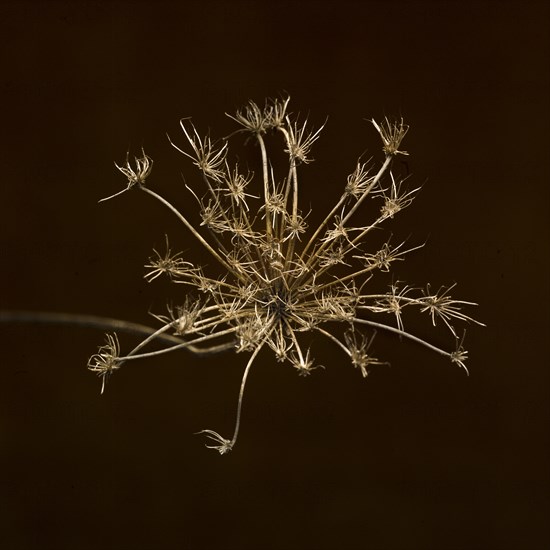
x=266, y=184
x=334, y=339
x=405, y=334
x=241, y=391
x=183, y=345
x=102, y=323
x=199, y=237
x=368, y=189
x=342, y=200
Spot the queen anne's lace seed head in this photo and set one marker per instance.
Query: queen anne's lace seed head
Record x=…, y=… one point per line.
x=276, y=280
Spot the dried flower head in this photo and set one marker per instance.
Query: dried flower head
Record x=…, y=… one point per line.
x=392, y=134
x=135, y=176
x=105, y=361
x=277, y=280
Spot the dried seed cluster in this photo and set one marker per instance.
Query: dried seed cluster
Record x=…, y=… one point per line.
x=276, y=283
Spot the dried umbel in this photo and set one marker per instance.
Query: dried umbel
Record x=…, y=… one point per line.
x=277, y=279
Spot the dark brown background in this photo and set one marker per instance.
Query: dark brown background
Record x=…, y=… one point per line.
x=416, y=457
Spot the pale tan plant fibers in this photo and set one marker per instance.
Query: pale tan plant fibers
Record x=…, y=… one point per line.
x=275, y=282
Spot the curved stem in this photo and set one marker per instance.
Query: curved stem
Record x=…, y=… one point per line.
x=405, y=334
x=74, y=319
x=193, y=230
x=102, y=323
x=181, y=345
x=241, y=391
x=334, y=339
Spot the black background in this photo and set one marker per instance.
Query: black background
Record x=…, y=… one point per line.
x=416, y=457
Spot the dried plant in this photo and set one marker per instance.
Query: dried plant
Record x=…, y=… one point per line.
x=276, y=283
